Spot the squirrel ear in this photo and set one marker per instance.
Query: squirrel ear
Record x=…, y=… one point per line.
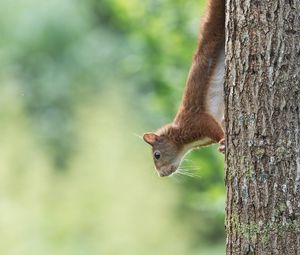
x=150, y=138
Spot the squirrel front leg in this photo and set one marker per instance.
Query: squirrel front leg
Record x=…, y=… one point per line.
x=222, y=142
x=212, y=127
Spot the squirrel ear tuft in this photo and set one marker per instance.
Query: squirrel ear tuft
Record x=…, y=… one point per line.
x=150, y=138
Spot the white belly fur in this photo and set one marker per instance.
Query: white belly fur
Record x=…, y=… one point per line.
x=216, y=92
x=196, y=144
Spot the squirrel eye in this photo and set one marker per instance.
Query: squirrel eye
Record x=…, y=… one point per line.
x=156, y=155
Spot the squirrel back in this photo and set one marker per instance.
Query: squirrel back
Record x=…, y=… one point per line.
x=205, y=77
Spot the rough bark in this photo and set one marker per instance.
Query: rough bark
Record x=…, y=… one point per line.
x=262, y=119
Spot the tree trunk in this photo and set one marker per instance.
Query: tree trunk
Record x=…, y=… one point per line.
x=262, y=119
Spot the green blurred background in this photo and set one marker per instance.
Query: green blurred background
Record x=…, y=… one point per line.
x=80, y=82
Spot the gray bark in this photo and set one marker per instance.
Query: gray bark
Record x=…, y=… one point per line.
x=262, y=116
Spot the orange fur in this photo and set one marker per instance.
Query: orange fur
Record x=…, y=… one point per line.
x=193, y=121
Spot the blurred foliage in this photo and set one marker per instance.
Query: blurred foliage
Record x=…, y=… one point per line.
x=79, y=78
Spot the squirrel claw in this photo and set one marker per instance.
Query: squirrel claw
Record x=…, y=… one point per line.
x=222, y=146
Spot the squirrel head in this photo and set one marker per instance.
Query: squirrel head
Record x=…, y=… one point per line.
x=166, y=153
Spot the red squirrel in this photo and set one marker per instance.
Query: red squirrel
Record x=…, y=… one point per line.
x=198, y=120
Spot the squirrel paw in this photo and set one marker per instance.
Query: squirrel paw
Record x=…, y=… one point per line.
x=222, y=146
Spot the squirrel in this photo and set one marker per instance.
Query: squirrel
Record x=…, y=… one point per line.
x=198, y=120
